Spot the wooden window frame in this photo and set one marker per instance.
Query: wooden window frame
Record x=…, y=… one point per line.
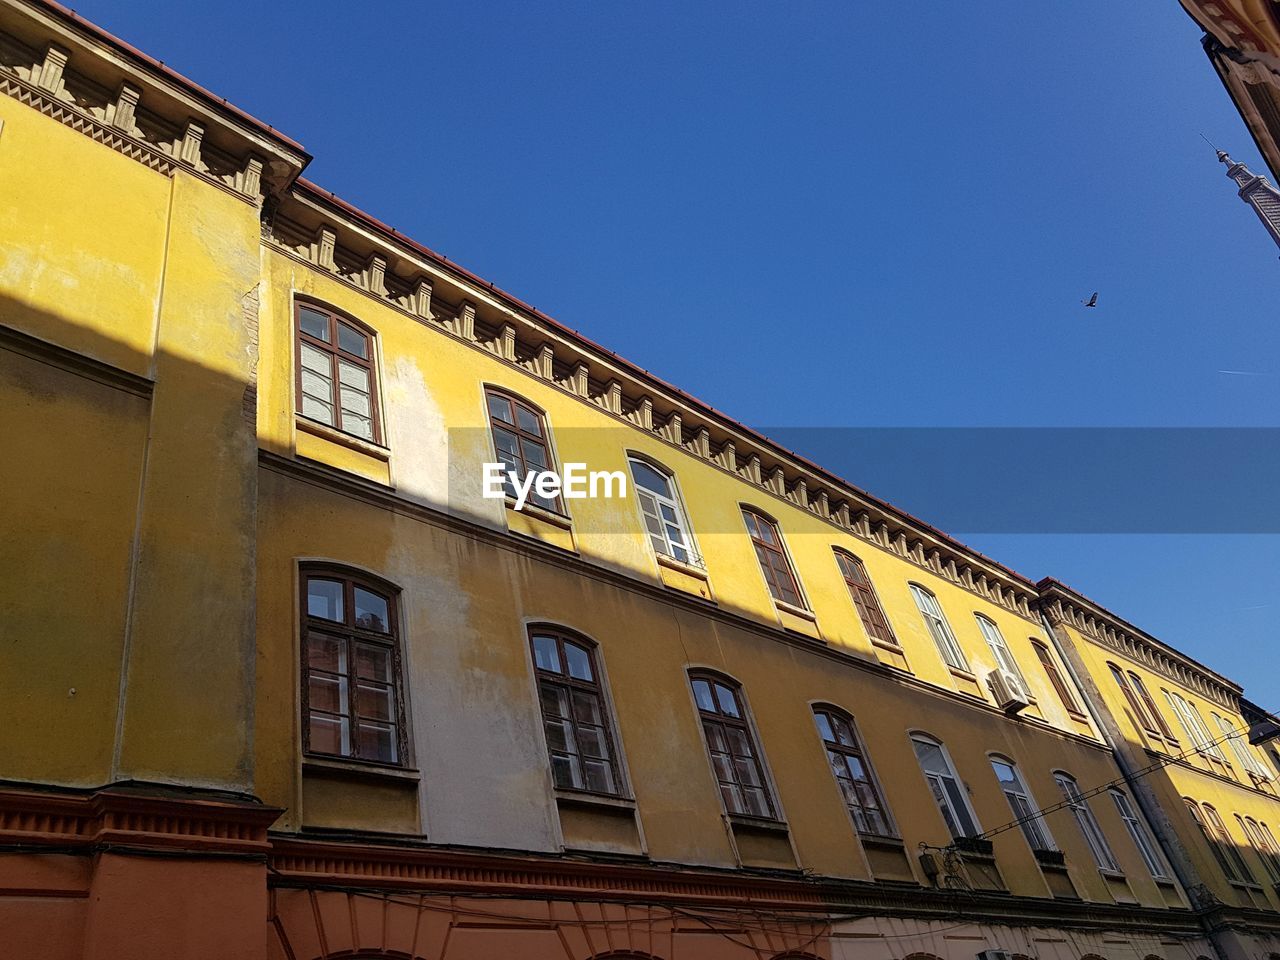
x=1144, y=695
x=336, y=353
x=522, y=435
x=1228, y=846
x=779, y=556
x=349, y=634
x=939, y=620
x=1000, y=649
x=858, y=751
x=595, y=687
x=726, y=722
x=866, y=601
x=1056, y=679
x=1263, y=846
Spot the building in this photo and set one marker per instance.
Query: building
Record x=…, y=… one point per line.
x=280, y=682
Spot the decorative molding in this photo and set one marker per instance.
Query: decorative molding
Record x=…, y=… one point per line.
x=1061, y=605
x=518, y=337
x=74, y=362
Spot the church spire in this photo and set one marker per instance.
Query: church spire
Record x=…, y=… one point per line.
x=1257, y=192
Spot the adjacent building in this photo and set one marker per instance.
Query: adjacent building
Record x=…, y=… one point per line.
x=279, y=681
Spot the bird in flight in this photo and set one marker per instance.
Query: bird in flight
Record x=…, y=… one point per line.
x=1092, y=301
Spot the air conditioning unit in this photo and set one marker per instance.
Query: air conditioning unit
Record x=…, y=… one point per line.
x=995, y=955
x=1006, y=686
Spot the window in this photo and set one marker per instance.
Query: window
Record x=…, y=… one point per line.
x=999, y=649
x=864, y=599
x=1138, y=831
x=520, y=439
x=773, y=558
x=1238, y=870
x=1149, y=702
x=1024, y=808
x=664, y=516
x=734, y=756
x=336, y=384
x=1193, y=724
x=1264, y=844
x=939, y=629
x=1093, y=834
x=946, y=787
x=352, y=704
x=852, y=771
x=1244, y=754
x=574, y=715
x=1056, y=679
x=1209, y=831
x=1135, y=705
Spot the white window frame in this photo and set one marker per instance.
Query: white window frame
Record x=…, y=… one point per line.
x=1193, y=724
x=935, y=622
x=1088, y=823
x=1235, y=737
x=999, y=648
x=948, y=789
x=1024, y=806
x=675, y=504
x=1142, y=838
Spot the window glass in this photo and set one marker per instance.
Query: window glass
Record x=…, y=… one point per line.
x=1024, y=809
x=1138, y=832
x=946, y=788
x=352, y=340
x=324, y=599
x=853, y=774
x=1088, y=825
x=313, y=323
x=371, y=610
x=773, y=560
x=335, y=381
x=735, y=761
x=939, y=629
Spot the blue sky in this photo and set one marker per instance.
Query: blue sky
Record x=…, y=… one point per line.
x=825, y=214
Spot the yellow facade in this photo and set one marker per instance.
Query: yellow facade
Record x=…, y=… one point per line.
x=154, y=252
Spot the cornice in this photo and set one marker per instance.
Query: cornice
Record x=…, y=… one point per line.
x=297, y=861
x=79, y=75
x=74, y=362
x=374, y=494
x=323, y=232
x=1062, y=605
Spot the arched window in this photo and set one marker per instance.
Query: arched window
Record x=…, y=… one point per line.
x=939, y=629
x=1240, y=747
x=864, y=598
x=336, y=383
x=936, y=766
x=772, y=554
x=1150, y=704
x=665, y=520
x=1136, y=706
x=1059, y=682
x=1193, y=724
x=1140, y=835
x=352, y=705
x=1264, y=845
x=852, y=770
x=999, y=649
x=731, y=744
x=575, y=717
x=520, y=439
x=1087, y=823
x=1237, y=870
x=1023, y=806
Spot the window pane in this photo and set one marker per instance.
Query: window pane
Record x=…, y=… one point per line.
x=578, y=662
x=649, y=479
x=324, y=599
x=702, y=693
x=377, y=741
x=327, y=693
x=528, y=421
x=353, y=376
x=371, y=611
x=728, y=702
x=373, y=662
x=330, y=735
x=824, y=727
x=500, y=409
x=599, y=776
x=317, y=385
x=315, y=410
x=313, y=323
x=316, y=360
x=565, y=772
x=326, y=653
x=353, y=341
x=586, y=708
x=376, y=702
x=534, y=453
x=545, y=654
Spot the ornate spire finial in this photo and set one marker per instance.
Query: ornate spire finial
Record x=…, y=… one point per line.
x=1257, y=192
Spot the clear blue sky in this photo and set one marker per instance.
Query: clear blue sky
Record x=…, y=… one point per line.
x=825, y=214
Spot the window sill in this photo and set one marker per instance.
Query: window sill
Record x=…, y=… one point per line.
x=689, y=569
x=795, y=611
x=359, y=770
x=1113, y=875
x=879, y=840
x=1167, y=882
x=891, y=647
x=581, y=798
x=1054, y=859
x=962, y=674
x=547, y=516
x=334, y=435
x=758, y=823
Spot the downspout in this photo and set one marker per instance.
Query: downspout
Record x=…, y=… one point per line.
x=1145, y=803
